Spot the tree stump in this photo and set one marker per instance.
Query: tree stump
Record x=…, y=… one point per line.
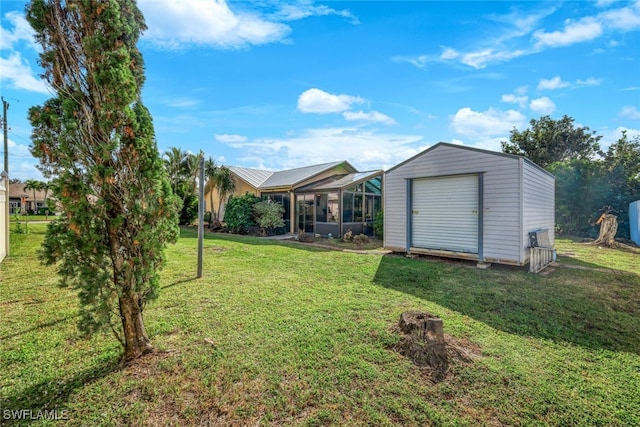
x=608, y=228
x=423, y=342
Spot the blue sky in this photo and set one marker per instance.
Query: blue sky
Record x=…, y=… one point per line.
x=272, y=84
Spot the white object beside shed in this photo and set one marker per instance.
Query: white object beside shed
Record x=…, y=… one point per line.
x=463, y=202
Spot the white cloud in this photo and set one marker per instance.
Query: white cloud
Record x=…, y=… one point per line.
x=582, y=30
x=492, y=122
x=22, y=31
x=24, y=170
x=230, y=139
x=365, y=149
x=591, y=81
x=551, y=84
x=318, y=101
x=291, y=12
x=175, y=24
x=449, y=53
x=482, y=58
x=419, y=61
x=542, y=106
x=517, y=35
x=182, y=102
x=625, y=19
x=614, y=135
x=511, y=98
x=369, y=116
x=630, y=112
x=17, y=72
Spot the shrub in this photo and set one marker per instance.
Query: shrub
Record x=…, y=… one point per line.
x=269, y=214
x=378, y=224
x=238, y=214
x=189, y=211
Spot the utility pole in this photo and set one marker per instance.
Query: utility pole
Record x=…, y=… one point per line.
x=5, y=107
x=200, y=214
x=5, y=174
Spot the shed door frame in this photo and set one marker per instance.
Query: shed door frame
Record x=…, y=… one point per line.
x=480, y=228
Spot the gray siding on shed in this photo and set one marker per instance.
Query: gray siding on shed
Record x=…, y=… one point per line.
x=538, y=203
x=505, y=204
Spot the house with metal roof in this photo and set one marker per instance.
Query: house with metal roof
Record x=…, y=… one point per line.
x=328, y=198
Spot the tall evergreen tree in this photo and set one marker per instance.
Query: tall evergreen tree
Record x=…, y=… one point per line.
x=95, y=139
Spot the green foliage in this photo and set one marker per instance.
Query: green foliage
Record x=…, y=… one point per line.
x=586, y=188
x=189, y=211
x=269, y=214
x=548, y=141
x=239, y=214
x=378, y=224
x=581, y=192
x=95, y=139
x=182, y=168
x=20, y=227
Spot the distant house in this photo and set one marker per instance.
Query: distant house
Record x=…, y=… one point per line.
x=21, y=201
x=463, y=202
x=329, y=198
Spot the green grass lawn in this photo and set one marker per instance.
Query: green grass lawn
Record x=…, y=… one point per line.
x=27, y=218
x=286, y=334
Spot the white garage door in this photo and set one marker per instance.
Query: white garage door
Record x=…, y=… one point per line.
x=444, y=213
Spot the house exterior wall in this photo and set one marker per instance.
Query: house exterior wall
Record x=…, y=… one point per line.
x=242, y=187
x=538, y=194
x=501, y=207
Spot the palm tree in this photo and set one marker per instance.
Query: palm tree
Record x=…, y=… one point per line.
x=225, y=184
x=173, y=163
x=46, y=186
x=34, y=185
x=210, y=171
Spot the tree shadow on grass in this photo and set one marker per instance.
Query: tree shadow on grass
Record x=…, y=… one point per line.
x=54, y=393
x=586, y=308
x=39, y=326
x=179, y=282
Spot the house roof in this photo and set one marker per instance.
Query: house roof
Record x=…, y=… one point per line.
x=263, y=179
x=291, y=177
x=17, y=191
x=342, y=181
x=254, y=177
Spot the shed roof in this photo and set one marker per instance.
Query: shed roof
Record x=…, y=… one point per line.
x=464, y=147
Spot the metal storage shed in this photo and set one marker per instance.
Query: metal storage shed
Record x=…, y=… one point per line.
x=463, y=202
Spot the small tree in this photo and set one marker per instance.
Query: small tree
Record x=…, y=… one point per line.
x=96, y=140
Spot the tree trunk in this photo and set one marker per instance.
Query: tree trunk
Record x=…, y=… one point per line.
x=608, y=228
x=135, y=336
